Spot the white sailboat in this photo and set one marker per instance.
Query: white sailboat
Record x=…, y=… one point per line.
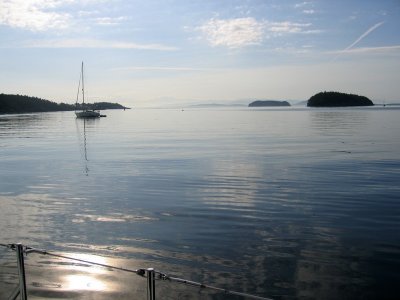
x=84, y=113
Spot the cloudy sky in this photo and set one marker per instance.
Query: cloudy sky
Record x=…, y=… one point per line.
x=151, y=53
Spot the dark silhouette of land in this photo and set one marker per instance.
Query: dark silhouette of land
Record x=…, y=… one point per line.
x=262, y=103
x=16, y=104
x=336, y=99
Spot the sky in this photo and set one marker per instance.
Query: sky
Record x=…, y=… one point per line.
x=176, y=52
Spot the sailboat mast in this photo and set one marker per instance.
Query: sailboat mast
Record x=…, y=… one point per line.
x=85, y=111
x=83, y=87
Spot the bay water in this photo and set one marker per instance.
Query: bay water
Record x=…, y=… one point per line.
x=285, y=203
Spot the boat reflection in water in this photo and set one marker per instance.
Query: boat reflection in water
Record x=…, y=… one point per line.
x=83, y=142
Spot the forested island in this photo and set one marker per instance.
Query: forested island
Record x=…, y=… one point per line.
x=262, y=103
x=14, y=104
x=336, y=99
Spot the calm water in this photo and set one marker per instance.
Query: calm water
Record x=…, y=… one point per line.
x=285, y=203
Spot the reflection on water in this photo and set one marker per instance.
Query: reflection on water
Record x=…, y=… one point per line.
x=60, y=278
x=345, y=121
x=83, y=282
x=81, y=125
x=19, y=126
x=289, y=203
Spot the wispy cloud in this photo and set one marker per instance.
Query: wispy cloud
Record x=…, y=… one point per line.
x=364, y=35
x=241, y=32
x=287, y=27
x=156, y=68
x=93, y=43
x=302, y=4
x=233, y=33
x=109, y=21
x=42, y=15
x=306, y=7
x=35, y=15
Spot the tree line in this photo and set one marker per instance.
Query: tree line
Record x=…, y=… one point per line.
x=11, y=104
x=335, y=99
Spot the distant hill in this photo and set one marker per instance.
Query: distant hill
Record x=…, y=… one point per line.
x=301, y=103
x=208, y=105
x=269, y=103
x=11, y=104
x=104, y=106
x=336, y=99
x=14, y=104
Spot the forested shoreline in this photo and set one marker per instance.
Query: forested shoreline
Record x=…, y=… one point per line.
x=14, y=104
x=337, y=99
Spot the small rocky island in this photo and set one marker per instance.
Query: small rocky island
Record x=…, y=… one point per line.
x=336, y=99
x=17, y=104
x=268, y=103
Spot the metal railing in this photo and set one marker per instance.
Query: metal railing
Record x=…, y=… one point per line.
x=149, y=273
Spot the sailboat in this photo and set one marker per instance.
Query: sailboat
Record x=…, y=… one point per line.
x=85, y=113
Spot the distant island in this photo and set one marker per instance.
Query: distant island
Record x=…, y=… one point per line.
x=336, y=99
x=262, y=103
x=15, y=104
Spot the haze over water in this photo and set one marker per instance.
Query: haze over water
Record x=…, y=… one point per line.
x=282, y=203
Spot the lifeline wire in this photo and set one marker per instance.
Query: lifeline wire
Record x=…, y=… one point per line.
x=140, y=272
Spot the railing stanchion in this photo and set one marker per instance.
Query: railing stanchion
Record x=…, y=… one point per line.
x=21, y=271
x=151, y=284
x=149, y=273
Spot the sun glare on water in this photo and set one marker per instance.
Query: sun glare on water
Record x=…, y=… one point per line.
x=84, y=282
x=89, y=278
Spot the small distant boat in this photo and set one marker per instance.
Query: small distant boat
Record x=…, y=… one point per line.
x=85, y=112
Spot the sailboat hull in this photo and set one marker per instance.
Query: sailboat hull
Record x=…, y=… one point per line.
x=87, y=114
